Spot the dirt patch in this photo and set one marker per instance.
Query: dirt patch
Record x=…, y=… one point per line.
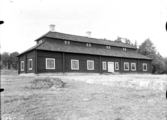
x=45, y=83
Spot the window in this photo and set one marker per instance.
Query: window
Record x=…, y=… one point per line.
x=30, y=64
x=75, y=64
x=22, y=65
x=67, y=42
x=133, y=66
x=124, y=49
x=126, y=66
x=88, y=45
x=90, y=65
x=104, y=65
x=40, y=41
x=50, y=63
x=116, y=66
x=144, y=66
x=108, y=47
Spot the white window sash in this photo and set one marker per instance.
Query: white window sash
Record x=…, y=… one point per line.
x=125, y=65
x=144, y=64
x=52, y=59
x=116, y=64
x=134, y=65
x=104, y=65
x=90, y=62
x=77, y=64
x=30, y=62
x=22, y=65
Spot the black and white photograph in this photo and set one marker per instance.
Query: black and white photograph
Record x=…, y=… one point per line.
x=83, y=59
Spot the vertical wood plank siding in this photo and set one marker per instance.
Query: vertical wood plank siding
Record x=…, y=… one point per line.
x=63, y=62
x=36, y=63
x=100, y=63
x=63, y=65
x=30, y=55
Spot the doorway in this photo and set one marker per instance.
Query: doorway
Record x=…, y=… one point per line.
x=111, y=67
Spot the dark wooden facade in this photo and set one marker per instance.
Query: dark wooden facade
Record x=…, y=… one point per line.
x=63, y=63
x=63, y=54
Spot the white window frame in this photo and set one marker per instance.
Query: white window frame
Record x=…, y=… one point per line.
x=72, y=68
x=124, y=66
x=124, y=49
x=29, y=64
x=134, y=65
x=92, y=61
x=104, y=65
x=143, y=66
x=22, y=65
x=50, y=59
x=116, y=63
x=88, y=44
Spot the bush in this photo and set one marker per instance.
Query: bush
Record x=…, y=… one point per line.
x=45, y=83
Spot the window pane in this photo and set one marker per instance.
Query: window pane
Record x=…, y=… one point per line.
x=75, y=64
x=126, y=66
x=50, y=63
x=104, y=65
x=116, y=66
x=90, y=65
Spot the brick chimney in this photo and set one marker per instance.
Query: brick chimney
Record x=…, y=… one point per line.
x=88, y=34
x=52, y=27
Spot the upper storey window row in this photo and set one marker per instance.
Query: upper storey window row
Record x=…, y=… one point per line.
x=67, y=42
x=124, y=49
x=88, y=45
x=108, y=47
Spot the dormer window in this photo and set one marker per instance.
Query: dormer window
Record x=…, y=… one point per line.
x=108, y=47
x=88, y=45
x=67, y=42
x=40, y=41
x=124, y=49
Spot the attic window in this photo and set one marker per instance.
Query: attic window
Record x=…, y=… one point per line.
x=88, y=45
x=40, y=41
x=67, y=42
x=124, y=49
x=108, y=47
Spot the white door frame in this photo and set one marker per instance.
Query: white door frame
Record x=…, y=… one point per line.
x=110, y=66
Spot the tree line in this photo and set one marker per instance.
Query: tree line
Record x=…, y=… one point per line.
x=9, y=60
x=147, y=48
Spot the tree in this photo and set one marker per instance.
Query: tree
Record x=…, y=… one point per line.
x=14, y=59
x=148, y=49
x=165, y=60
x=5, y=59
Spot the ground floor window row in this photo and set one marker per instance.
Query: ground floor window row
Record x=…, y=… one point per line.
x=50, y=64
x=30, y=64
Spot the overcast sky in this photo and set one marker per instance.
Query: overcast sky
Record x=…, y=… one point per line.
x=26, y=20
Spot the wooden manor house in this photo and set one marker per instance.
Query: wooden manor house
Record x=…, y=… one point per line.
x=57, y=52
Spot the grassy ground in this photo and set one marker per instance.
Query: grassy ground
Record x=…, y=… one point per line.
x=78, y=100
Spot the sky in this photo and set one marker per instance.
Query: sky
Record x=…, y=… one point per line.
x=137, y=20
